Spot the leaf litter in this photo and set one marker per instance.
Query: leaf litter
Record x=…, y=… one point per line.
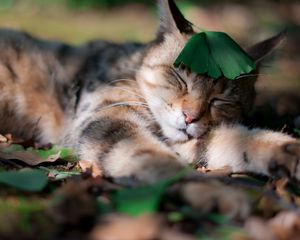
x=58, y=197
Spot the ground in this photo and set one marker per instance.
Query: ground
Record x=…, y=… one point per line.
x=46, y=193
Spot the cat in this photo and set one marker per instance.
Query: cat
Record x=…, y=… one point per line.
x=126, y=109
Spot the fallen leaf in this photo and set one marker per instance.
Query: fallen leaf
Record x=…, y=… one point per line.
x=139, y=200
x=267, y=206
x=56, y=175
x=169, y=234
x=281, y=190
x=33, y=157
x=3, y=139
x=73, y=205
x=286, y=225
x=9, y=137
x=143, y=199
x=258, y=229
x=91, y=168
x=216, y=194
x=175, y=216
x=221, y=172
x=297, y=201
x=31, y=180
x=19, y=216
x=119, y=227
x=26, y=157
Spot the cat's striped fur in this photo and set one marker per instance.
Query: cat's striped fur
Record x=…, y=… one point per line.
x=126, y=109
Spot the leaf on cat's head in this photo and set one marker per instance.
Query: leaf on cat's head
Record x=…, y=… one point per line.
x=215, y=54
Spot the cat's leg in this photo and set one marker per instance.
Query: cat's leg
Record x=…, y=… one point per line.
x=244, y=150
x=118, y=141
x=253, y=150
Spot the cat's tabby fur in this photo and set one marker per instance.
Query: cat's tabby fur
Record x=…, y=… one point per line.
x=125, y=108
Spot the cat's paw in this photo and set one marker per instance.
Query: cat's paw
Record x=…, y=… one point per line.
x=190, y=152
x=154, y=168
x=286, y=160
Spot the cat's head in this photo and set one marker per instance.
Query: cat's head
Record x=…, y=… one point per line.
x=187, y=105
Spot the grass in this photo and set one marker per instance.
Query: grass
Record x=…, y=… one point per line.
x=80, y=26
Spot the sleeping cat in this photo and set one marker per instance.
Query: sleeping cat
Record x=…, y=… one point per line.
x=125, y=108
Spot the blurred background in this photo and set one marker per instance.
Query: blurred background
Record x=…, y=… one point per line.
x=76, y=21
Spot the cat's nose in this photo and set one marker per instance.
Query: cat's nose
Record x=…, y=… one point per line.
x=189, y=118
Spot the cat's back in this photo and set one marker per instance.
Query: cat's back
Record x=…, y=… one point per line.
x=109, y=61
x=38, y=78
x=34, y=84
x=19, y=43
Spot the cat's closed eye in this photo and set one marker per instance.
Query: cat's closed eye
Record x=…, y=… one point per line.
x=224, y=109
x=222, y=103
x=179, y=80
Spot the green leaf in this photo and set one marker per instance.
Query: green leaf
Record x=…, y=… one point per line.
x=224, y=232
x=218, y=218
x=63, y=152
x=175, y=216
x=137, y=201
x=54, y=152
x=104, y=207
x=27, y=179
x=26, y=211
x=56, y=175
x=144, y=199
x=215, y=54
x=13, y=148
x=297, y=131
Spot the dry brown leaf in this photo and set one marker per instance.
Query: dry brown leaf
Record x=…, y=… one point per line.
x=258, y=229
x=9, y=137
x=266, y=206
x=119, y=227
x=297, y=200
x=3, y=139
x=90, y=167
x=220, y=172
x=72, y=204
x=206, y=195
x=281, y=189
x=168, y=234
x=286, y=225
x=28, y=157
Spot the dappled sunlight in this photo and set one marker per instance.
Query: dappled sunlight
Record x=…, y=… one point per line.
x=109, y=141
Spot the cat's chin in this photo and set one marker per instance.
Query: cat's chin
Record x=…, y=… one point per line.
x=178, y=135
x=183, y=136
x=175, y=135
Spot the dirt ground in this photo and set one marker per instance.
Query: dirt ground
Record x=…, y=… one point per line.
x=60, y=198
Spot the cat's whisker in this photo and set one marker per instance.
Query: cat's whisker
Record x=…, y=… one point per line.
x=128, y=103
x=133, y=69
x=131, y=92
x=152, y=99
x=157, y=102
x=122, y=80
x=252, y=75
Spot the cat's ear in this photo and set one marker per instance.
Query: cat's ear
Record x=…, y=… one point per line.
x=260, y=50
x=172, y=20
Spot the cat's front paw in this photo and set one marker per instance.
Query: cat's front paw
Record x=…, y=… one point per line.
x=285, y=160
